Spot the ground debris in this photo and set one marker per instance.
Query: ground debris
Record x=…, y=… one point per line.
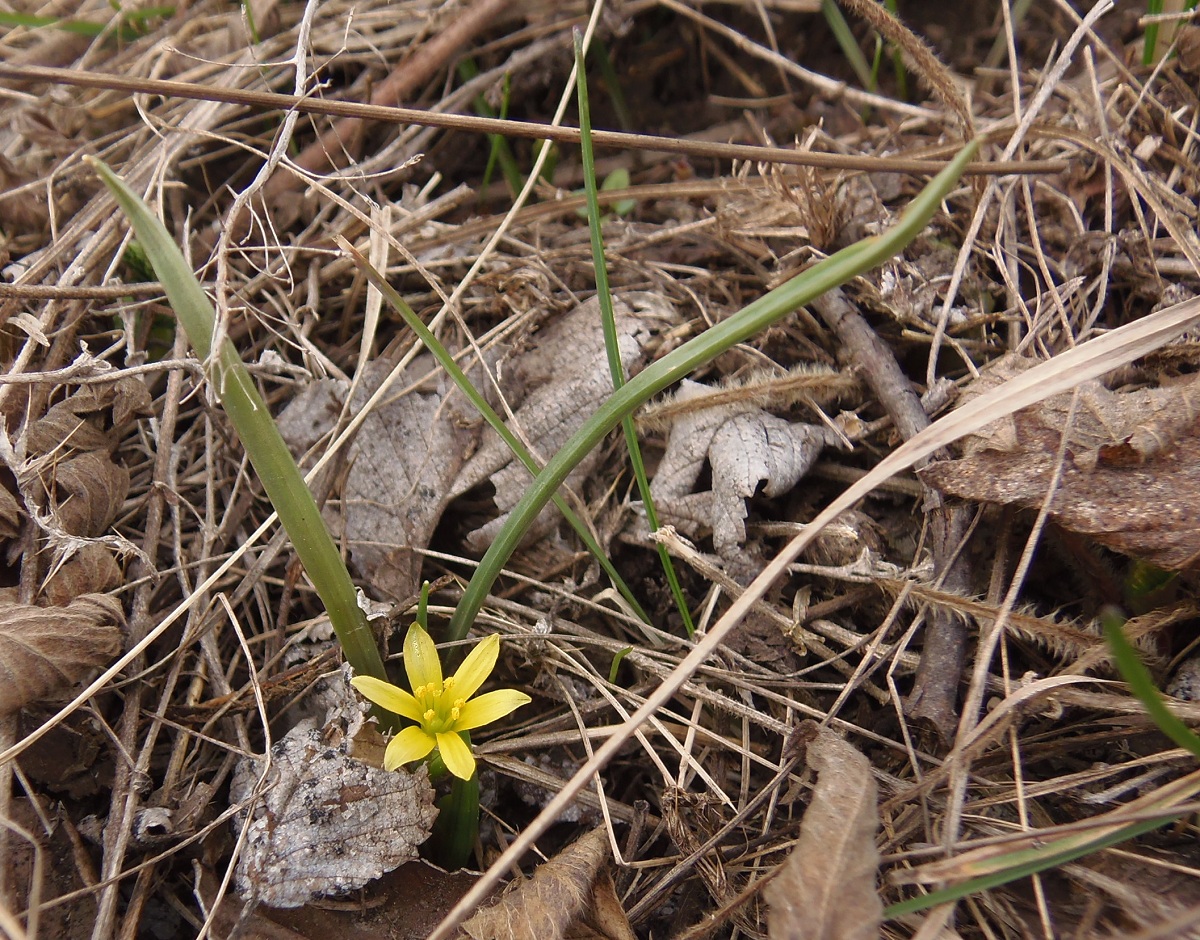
x=568, y=887
x=826, y=889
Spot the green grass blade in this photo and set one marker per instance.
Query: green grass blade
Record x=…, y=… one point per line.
x=514, y=443
x=499, y=152
x=846, y=42
x=1044, y=858
x=1150, y=40
x=677, y=364
x=608, y=315
x=1141, y=684
x=616, y=93
x=264, y=445
x=131, y=26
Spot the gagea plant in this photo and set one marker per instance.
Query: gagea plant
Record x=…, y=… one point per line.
x=443, y=709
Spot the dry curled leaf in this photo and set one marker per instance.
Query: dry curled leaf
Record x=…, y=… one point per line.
x=1131, y=474
x=558, y=382
x=85, y=492
x=46, y=649
x=826, y=888
x=543, y=907
x=746, y=447
x=11, y=514
x=92, y=418
x=91, y=570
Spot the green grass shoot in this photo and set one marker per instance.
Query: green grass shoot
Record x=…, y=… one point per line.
x=272, y=461
x=604, y=294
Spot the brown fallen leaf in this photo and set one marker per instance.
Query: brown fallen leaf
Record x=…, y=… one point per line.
x=45, y=649
x=91, y=570
x=826, y=888
x=1131, y=479
x=69, y=480
x=559, y=893
x=11, y=514
x=85, y=492
x=92, y=418
x=554, y=386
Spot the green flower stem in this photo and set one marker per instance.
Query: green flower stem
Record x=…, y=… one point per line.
x=446, y=360
x=264, y=445
x=608, y=316
x=457, y=827
x=677, y=364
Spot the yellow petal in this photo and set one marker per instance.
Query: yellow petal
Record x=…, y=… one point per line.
x=476, y=667
x=389, y=696
x=421, y=658
x=409, y=745
x=456, y=755
x=489, y=707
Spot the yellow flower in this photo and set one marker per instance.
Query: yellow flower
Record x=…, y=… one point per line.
x=441, y=708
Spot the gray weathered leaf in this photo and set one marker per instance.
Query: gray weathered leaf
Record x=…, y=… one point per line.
x=325, y=823
x=402, y=463
x=745, y=446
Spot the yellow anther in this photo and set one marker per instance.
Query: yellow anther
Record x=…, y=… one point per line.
x=448, y=683
x=454, y=712
x=429, y=715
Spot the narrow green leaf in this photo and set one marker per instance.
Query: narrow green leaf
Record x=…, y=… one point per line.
x=677, y=364
x=1141, y=684
x=1046, y=858
x=609, y=319
x=264, y=445
x=616, y=663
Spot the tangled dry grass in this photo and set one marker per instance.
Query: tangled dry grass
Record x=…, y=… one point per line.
x=953, y=642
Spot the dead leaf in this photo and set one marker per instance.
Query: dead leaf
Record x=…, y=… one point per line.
x=403, y=462
x=745, y=446
x=326, y=823
x=94, y=417
x=554, y=387
x=45, y=649
x=543, y=907
x=607, y=917
x=85, y=493
x=826, y=888
x=11, y=514
x=91, y=570
x=1131, y=479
